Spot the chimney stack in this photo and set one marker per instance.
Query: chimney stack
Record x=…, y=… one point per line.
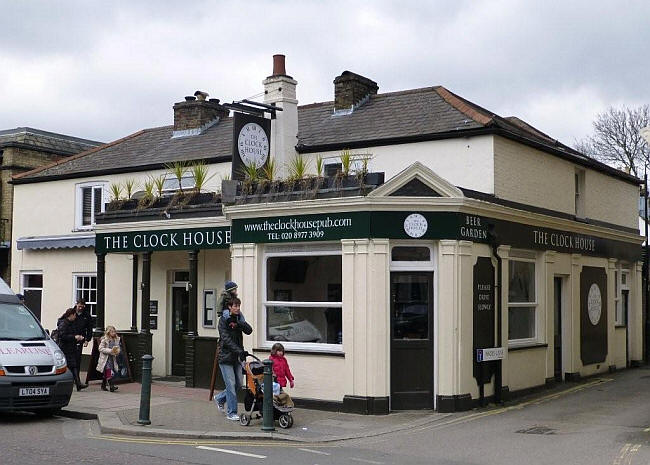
x=280, y=90
x=196, y=114
x=351, y=89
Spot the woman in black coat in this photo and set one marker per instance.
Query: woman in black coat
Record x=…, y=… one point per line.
x=68, y=341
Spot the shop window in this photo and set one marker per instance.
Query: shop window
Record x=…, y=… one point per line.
x=85, y=287
x=522, y=301
x=303, y=304
x=621, y=296
x=32, y=290
x=90, y=200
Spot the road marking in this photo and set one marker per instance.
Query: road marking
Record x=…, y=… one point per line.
x=366, y=461
x=626, y=453
x=234, y=452
x=314, y=451
x=197, y=442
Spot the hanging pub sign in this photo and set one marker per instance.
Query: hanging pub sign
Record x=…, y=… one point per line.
x=251, y=143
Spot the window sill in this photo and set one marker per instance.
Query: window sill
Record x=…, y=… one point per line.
x=303, y=351
x=538, y=345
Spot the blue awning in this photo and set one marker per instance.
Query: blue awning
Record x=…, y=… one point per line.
x=56, y=242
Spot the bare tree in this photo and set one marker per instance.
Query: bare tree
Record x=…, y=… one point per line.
x=616, y=139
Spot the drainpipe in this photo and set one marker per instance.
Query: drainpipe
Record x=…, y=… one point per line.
x=498, y=377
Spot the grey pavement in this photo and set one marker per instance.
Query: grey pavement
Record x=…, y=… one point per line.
x=179, y=412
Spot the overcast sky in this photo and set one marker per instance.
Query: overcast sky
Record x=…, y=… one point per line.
x=102, y=70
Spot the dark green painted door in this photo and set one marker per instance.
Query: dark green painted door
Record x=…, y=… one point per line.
x=411, y=348
x=180, y=307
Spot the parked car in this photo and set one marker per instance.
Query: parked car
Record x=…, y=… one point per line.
x=33, y=371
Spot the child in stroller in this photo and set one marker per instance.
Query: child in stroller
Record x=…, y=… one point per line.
x=254, y=371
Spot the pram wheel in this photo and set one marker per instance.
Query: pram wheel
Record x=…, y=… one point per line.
x=245, y=419
x=285, y=421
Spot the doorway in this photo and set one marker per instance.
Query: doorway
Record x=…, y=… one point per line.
x=557, y=327
x=180, y=313
x=411, y=346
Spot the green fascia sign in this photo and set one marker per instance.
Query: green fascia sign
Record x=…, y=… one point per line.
x=368, y=224
x=302, y=228
x=425, y=225
x=162, y=240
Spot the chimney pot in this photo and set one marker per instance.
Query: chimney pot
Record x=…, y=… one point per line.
x=279, y=65
x=189, y=98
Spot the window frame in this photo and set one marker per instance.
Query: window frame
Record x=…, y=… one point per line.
x=78, y=210
x=207, y=292
x=91, y=310
x=289, y=345
x=535, y=304
x=620, y=316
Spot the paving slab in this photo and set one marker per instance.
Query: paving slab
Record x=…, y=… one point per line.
x=177, y=411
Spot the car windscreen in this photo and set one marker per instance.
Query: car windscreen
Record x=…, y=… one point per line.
x=17, y=323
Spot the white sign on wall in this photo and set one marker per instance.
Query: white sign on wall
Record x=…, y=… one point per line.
x=415, y=225
x=489, y=354
x=594, y=304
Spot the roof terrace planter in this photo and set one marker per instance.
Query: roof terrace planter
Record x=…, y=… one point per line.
x=310, y=188
x=186, y=205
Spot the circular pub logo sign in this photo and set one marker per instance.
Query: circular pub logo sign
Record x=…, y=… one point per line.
x=253, y=145
x=594, y=304
x=415, y=225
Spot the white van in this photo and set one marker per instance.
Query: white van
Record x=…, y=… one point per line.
x=33, y=371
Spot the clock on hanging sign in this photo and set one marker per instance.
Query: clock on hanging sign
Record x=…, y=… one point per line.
x=253, y=145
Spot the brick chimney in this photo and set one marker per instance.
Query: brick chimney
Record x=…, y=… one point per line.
x=196, y=114
x=280, y=90
x=351, y=89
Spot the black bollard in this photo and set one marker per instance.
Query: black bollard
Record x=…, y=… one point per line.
x=145, y=391
x=268, y=422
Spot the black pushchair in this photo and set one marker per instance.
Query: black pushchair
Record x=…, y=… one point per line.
x=254, y=397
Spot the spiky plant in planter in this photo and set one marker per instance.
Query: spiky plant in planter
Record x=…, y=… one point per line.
x=115, y=190
x=178, y=169
x=251, y=177
x=148, y=196
x=129, y=187
x=269, y=175
x=159, y=185
x=346, y=162
x=201, y=175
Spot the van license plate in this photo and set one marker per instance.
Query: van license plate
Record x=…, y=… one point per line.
x=34, y=391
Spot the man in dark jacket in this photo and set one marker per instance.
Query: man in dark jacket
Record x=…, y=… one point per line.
x=83, y=325
x=231, y=352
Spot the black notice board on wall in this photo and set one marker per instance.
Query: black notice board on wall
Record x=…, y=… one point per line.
x=593, y=315
x=153, y=307
x=483, y=317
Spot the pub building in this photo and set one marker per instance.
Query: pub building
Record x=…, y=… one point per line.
x=467, y=257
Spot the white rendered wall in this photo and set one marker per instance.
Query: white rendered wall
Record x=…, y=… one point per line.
x=465, y=162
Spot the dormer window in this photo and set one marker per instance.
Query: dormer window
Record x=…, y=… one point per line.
x=90, y=200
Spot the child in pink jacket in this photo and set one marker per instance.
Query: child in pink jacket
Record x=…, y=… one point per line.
x=280, y=365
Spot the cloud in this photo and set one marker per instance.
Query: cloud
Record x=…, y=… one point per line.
x=105, y=69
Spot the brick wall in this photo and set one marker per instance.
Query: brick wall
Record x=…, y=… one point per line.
x=530, y=176
x=15, y=161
